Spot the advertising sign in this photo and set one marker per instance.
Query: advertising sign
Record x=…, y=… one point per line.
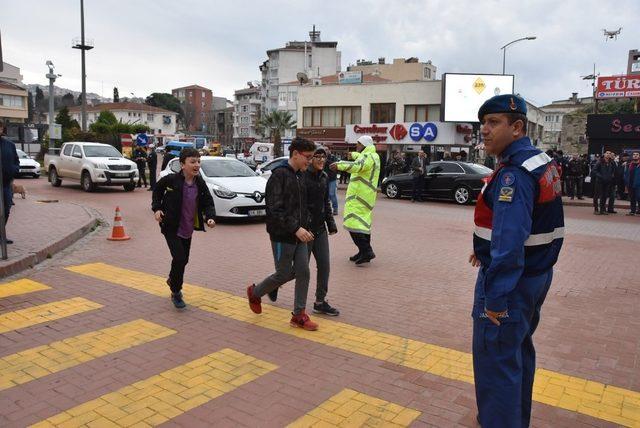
x=413, y=133
x=348, y=77
x=56, y=132
x=618, y=87
x=613, y=127
x=463, y=94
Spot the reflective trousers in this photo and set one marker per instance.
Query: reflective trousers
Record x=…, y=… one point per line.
x=504, y=358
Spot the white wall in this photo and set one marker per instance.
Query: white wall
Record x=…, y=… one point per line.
x=403, y=93
x=155, y=124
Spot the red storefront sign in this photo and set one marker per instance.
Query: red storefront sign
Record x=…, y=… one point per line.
x=618, y=87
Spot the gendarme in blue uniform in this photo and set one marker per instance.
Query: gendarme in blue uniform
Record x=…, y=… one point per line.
x=519, y=230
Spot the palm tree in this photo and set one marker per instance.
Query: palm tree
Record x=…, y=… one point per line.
x=276, y=123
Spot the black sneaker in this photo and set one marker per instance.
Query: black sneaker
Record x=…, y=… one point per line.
x=366, y=258
x=354, y=257
x=612, y=211
x=273, y=295
x=177, y=300
x=325, y=308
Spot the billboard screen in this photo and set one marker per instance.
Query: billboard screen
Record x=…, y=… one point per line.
x=463, y=94
x=618, y=87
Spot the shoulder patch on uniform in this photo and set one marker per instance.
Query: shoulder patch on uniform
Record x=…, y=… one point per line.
x=507, y=179
x=506, y=194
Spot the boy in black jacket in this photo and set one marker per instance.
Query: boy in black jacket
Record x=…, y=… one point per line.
x=320, y=210
x=288, y=228
x=182, y=203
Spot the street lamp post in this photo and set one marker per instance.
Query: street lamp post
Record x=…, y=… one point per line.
x=83, y=45
x=504, y=48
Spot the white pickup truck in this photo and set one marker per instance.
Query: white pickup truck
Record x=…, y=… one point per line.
x=91, y=164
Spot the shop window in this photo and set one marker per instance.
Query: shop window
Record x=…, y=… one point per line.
x=330, y=117
x=383, y=113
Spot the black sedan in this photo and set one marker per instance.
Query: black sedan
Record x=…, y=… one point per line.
x=452, y=180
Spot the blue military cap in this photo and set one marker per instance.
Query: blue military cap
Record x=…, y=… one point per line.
x=507, y=103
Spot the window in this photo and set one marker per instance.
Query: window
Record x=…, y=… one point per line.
x=310, y=63
x=166, y=120
x=445, y=168
x=330, y=117
x=77, y=152
x=67, y=150
x=416, y=113
x=293, y=96
x=11, y=101
x=283, y=97
x=202, y=104
x=383, y=113
x=203, y=95
x=244, y=132
x=190, y=94
x=427, y=73
x=244, y=119
x=149, y=117
x=244, y=109
x=129, y=113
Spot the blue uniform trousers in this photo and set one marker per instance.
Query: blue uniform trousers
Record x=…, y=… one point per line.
x=504, y=358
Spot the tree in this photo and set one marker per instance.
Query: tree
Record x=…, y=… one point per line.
x=276, y=123
x=30, y=108
x=107, y=129
x=68, y=100
x=41, y=105
x=165, y=101
x=68, y=125
x=611, y=107
x=116, y=95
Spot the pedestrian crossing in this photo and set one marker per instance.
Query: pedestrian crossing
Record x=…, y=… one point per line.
x=155, y=400
x=351, y=408
x=35, y=363
x=39, y=314
x=21, y=286
x=571, y=393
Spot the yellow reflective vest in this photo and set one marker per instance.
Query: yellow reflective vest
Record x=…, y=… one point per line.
x=362, y=189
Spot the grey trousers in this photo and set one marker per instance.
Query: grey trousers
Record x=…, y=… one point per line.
x=320, y=249
x=292, y=262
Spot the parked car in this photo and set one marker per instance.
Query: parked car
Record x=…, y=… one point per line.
x=264, y=169
x=91, y=164
x=457, y=181
x=237, y=191
x=28, y=165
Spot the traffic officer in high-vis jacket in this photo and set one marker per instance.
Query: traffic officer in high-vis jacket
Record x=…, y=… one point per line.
x=519, y=229
x=361, y=196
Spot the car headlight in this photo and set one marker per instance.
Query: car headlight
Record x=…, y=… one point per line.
x=223, y=192
x=384, y=180
x=100, y=165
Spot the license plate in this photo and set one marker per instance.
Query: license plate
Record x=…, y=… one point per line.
x=122, y=175
x=257, y=212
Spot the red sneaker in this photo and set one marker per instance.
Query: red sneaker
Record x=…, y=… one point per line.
x=303, y=321
x=254, y=302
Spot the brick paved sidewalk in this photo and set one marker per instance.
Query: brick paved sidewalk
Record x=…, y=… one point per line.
x=40, y=229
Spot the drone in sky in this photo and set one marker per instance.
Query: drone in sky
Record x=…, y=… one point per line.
x=611, y=34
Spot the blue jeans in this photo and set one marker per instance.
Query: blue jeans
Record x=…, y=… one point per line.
x=333, y=188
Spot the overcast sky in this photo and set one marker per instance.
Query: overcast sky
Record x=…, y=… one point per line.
x=144, y=46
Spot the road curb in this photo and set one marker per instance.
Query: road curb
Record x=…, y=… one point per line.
x=31, y=259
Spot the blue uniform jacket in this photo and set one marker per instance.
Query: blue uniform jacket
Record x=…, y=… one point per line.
x=525, y=236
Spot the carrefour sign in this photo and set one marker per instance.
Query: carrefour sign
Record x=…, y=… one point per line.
x=440, y=133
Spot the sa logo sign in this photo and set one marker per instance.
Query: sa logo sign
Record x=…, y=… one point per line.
x=428, y=131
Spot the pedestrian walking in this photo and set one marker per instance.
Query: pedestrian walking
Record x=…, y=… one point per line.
x=604, y=174
x=140, y=158
x=632, y=182
x=361, y=196
x=332, y=179
x=10, y=167
x=418, y=170
x=621, y=189
x=575, y=177
x=396, y=164
x=152, y=163
x=322, y=225
x=519, y=229
x=181, y=204
x=288, y=225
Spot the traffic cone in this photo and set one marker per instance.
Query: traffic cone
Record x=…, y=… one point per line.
x=118, y=234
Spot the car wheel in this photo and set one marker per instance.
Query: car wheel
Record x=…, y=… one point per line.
x=462, y=195
x=53, y=177
x=85, y=181
x=392, y=191
x=129, y=187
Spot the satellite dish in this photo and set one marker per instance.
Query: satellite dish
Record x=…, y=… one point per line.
x=302, y=78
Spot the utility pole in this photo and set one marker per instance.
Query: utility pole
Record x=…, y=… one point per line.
x=52, y=78
x=80, y=44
